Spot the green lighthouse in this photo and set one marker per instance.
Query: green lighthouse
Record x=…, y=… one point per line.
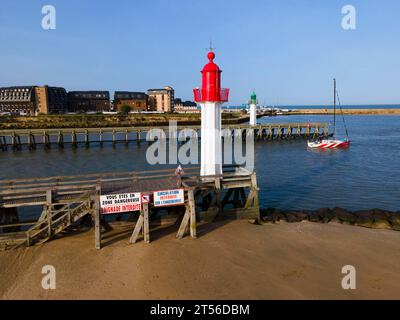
x=253, y=111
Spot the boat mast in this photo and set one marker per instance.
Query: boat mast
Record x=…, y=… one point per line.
x=334, y=108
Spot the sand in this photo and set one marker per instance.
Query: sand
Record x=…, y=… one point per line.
x=229, y=260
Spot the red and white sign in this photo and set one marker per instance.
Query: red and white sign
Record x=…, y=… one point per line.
x=119, y=203
x=164, y=198
x=145, y=198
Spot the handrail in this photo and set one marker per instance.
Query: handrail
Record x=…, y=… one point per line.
x=94, y=175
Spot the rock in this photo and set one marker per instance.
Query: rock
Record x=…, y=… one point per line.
x=379, y=214
x=301, y=216
x=313, y=216
x=394, y=220
x=272, y=215
x=325, y=215
x=293, y=216
x=343, y=215
x=364, y=218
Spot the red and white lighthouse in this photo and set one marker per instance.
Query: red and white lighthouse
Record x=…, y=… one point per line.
x=211, y=96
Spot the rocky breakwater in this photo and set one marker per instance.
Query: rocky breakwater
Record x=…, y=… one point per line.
x=374, y=218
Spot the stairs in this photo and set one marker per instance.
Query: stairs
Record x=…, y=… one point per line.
x=55, y=220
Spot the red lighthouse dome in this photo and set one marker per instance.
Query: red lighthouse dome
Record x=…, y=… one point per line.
x=211, y=83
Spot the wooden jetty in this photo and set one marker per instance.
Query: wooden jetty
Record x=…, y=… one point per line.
x=65, y=200
x=15, y=139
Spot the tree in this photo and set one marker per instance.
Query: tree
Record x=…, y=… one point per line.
x=125, y=109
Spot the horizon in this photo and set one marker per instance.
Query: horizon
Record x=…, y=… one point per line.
x=287, y=52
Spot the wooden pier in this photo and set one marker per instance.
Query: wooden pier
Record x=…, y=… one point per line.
x=16, y=139
x=66, y=200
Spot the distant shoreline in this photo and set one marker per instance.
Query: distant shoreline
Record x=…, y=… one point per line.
x=375, y=111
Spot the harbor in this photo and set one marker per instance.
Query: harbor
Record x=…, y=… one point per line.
x=177, y=151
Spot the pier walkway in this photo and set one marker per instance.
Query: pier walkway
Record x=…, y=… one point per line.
x=65, y=200
x=15, y=139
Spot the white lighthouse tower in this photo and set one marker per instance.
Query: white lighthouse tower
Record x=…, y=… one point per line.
x=211, y=96
x=253, y=107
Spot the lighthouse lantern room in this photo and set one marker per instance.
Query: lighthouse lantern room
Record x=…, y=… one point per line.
x=210, y=97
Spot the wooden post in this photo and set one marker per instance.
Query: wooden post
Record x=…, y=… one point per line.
x=184, y=223
x=138, y=137
x=189, y=219
x=87, y=138
x=126, y=137
x=60, y=139
x=97, y=227
x=29, y=140
x=146, y=230
x=73, y=138
x=44, y=139
x=4, y=143
x=101, y=137
x=14, y=141
x=137, y=229
x=192, y=213
x=142, y=224
x=33, y=142
x=49, y=197
x=19, y=142
x=114, y=141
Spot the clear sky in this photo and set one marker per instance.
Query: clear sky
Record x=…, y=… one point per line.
x=288, y=50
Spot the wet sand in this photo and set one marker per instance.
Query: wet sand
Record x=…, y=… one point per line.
x=229, y=260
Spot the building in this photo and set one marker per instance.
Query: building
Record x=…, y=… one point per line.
x=88, y=101
x=185, y=106
x=18, y=100
x=161, y=100
x=138, y=101
x=32, y=100
x=53, y=100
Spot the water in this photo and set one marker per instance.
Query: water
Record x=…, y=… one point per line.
x=324, y=106
x=290, y=176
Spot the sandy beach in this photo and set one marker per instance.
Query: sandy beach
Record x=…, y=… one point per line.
x=229, y=260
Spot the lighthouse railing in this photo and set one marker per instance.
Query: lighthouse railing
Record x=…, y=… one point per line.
x=201, y=95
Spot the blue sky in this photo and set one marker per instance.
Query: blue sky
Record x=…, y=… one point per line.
x=288, y=50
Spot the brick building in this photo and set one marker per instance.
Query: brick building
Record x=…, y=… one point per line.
x=31, y=100
x=88, y=101
x=53, y=100
x=138, y=101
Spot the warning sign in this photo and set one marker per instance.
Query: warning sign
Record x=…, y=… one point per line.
x=118, y=203
x=145, y=198
x=168, y=197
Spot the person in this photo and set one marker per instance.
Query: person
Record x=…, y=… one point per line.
x=179, y=172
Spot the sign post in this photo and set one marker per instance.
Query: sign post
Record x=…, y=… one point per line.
x=142, y=224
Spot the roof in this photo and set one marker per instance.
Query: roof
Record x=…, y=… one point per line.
x=94, y=94
x=129, y=95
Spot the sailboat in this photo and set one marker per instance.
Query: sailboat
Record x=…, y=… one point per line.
x=332, y=143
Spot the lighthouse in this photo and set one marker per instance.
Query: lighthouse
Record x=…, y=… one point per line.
x=210, y=97
x=253, y=112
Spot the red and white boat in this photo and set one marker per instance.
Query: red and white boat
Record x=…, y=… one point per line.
x=332, y=143
x=329, y=144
